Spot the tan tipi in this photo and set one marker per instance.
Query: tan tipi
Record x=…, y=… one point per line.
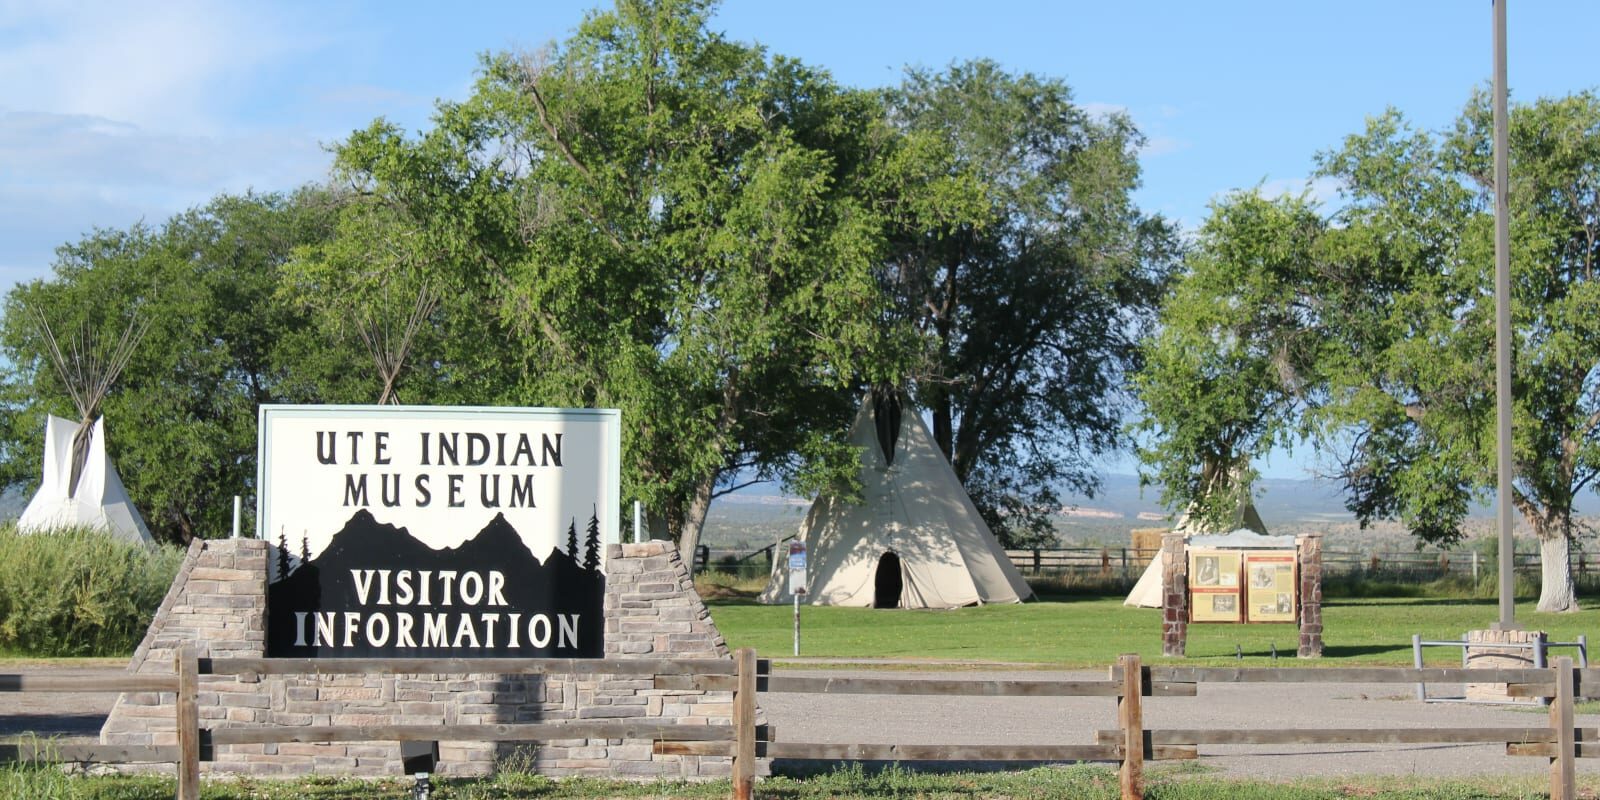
x=914, y=541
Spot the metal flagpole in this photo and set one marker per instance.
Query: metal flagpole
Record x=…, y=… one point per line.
x=1502, y=308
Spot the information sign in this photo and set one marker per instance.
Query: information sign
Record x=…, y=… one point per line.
x=415, y=531
x=797, y=568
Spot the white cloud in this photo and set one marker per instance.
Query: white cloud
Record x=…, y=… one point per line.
x=160, y=65
x=1162, y=145
x=1320, y=190
x=1103, y=110
x=66, y=174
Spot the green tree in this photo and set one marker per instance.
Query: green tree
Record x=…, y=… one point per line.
x=181, y=420
x=1418, y=386
x=1373, y=332
x=663, y=221
x=1233, y=365
x=1031, y=277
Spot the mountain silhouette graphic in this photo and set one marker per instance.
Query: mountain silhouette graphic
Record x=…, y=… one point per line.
x=375, y=569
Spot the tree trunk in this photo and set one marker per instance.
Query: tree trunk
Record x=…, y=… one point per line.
x=694, y=520
x=943, y=423
x=1556, y=589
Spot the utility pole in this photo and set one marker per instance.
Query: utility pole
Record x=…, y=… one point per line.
x=1502, y=309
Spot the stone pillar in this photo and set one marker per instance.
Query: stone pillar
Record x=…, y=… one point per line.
x=1175, y=595
x=1309, y=555
x=1482, y=653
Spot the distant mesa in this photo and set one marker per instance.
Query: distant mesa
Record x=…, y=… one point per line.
x=1090, y=513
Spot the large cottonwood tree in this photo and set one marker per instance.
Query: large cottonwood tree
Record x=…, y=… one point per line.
x=1416, y=242
x=1372, y=331
x=665, y=221
x=1230, y=371
x=1031, y=275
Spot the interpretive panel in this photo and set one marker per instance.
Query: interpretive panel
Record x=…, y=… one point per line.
x=1214, y=588
x=1270, y=586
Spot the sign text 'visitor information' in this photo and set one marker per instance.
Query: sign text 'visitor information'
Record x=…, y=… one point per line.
x=417, y=531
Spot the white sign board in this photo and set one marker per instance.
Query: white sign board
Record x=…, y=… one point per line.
x=442, y=473
x=427, y=531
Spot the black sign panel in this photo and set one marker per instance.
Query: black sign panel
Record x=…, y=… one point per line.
x=376, y=591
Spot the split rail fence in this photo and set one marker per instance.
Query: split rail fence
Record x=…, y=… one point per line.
x=1129, y=744
x=1129, y=562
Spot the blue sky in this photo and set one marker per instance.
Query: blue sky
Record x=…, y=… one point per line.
x=111, y=113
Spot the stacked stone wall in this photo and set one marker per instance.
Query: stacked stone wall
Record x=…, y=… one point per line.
x=217, y=605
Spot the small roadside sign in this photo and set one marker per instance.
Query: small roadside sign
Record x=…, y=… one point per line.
x=797, y=568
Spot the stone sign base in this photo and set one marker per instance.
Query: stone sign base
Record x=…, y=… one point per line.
x=1481, y=653
x=217, y=604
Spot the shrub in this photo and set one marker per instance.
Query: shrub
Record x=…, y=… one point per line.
x=79, y=592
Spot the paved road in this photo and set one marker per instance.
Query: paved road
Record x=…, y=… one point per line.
x=1066, y=720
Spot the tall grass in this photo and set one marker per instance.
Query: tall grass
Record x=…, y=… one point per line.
x=79, y=592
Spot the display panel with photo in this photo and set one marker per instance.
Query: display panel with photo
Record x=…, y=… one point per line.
x=1271, y=589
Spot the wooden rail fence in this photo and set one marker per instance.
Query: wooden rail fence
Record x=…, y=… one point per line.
x=1129, y=744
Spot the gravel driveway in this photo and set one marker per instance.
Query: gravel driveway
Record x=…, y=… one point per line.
x=909, y=719
x=1052, y=720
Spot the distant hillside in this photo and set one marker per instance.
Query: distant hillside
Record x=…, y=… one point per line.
x=1279, y=501
x=759, y=515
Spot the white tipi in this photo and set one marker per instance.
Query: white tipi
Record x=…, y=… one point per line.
x=98, y=501
x=79, y=486
x=914, y=541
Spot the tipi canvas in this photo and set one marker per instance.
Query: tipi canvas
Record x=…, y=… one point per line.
x=98, y=501
x=914, y=541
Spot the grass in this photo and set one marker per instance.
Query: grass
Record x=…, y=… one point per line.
x=1088, y=782
x=1086, y=631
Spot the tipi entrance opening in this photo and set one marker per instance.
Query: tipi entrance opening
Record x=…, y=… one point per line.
x=886, y=585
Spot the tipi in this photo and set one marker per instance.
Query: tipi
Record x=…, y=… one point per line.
x=98, y=499
x=79, y=486
x=390, y=348
x=914, y=541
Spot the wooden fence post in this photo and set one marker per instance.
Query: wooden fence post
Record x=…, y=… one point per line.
x=1130, y=718
x=1563, y=779
x=187, y=665
x=744, y=724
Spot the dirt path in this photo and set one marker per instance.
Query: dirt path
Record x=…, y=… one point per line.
x=1067, y=720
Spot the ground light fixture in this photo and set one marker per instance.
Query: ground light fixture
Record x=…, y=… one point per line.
x=419, y=759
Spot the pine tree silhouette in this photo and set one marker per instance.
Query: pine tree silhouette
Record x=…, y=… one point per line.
x=283, y=556
x=305, y=548
x=591, y=543
x=572, y=539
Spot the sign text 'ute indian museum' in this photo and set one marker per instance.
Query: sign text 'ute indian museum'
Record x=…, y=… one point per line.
x=437, y=532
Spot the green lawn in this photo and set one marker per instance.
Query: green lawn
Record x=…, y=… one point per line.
x=1092, y=631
